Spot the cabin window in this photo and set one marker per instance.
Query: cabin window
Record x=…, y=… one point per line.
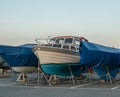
x=73, y=48
x=77, y=42
x=59, y=40
x=65, y=46
x=69, y=40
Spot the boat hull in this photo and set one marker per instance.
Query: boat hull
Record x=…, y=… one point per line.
x=58, y=61
x=25, y=69
x=62, y=69
x=54, y=55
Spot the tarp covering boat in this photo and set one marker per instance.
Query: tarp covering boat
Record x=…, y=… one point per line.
x=19, y=55
x=98, y=55
x=2, y=61
x=102, y=59
x=104, y=73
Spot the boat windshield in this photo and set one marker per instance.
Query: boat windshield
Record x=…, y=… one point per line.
x=76, y=42
x=59, y=40
x=52, y=41
x=69, y=40
x=66, y=43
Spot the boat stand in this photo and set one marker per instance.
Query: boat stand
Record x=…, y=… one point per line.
x=40, y=71
x=72, y=76
x=22, y=77
x=88, y=76
x=110, y=78
x=54, y=79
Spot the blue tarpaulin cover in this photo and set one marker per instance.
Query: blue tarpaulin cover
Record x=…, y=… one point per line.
x=102, y=72
x=100, y=57
x=19, y=55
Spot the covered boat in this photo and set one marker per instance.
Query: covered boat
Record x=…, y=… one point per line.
x=20, y=58
x=103, y=59
x=60, y=56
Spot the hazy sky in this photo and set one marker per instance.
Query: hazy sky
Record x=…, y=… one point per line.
x=22, y=21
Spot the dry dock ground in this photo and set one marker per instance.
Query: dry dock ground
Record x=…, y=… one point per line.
x=9, y=87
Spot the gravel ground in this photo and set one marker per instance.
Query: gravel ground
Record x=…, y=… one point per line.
x=10, y=88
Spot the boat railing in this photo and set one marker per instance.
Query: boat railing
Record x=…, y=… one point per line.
x=41, y=41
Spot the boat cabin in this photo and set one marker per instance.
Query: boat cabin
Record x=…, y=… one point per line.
x=65, y=42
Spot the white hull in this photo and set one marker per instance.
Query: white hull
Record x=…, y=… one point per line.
x=26, y=69
x=47, y=57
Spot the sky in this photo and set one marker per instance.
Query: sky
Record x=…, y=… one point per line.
x=22, y=21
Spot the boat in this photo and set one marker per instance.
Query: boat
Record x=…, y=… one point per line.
x=60, y=55
x=103, y=59
x=20, y=58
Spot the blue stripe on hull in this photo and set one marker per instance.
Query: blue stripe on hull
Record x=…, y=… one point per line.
x=61, y=69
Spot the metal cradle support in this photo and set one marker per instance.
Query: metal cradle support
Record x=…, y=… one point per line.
x=40, y=71
x=54, y=79
x=22, y=77
x=110, y=78
x=72, y=76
